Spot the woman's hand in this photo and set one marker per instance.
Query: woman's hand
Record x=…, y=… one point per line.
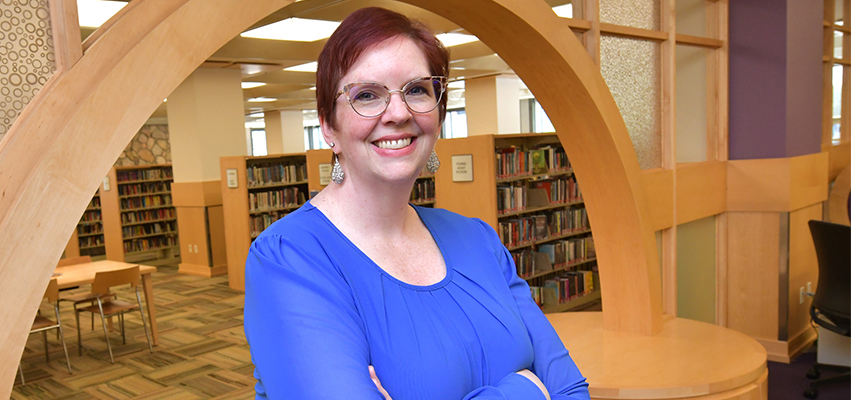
x=378, y=383
x=532, y=377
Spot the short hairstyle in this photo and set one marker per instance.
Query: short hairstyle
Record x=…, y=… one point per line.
x=357, y=33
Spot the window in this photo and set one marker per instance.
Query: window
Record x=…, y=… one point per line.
x=258, y=142
x=313, y=139
x=455, y=124
x=540, y=121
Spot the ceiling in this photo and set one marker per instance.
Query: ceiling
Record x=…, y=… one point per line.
x=263, y=60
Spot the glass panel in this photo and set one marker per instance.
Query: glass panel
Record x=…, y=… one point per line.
x=839, y=11
x=567, y=8
x=837, y=102
x=26, y=60
x=635, y=13
x=691, y=17
x=631, y=68
x=691, y=98
x=696, y=270
x=837, y=45
x=258, y=143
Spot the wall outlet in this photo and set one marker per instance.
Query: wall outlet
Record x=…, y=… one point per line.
x=809, y=287
x=190, y=247
x=801, y=296
x=196, y=248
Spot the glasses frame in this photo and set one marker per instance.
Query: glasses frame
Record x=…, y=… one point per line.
x=401, y=92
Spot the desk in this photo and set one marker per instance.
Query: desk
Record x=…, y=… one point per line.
x=84, y=274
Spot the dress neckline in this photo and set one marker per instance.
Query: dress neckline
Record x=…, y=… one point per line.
x=308, y=206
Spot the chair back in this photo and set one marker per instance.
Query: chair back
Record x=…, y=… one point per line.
x=74, y=260
x=107, y=279
x=833, y=250
x=52, y=292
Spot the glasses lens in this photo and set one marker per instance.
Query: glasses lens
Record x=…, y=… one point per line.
x=368, y=99
x=422, y=95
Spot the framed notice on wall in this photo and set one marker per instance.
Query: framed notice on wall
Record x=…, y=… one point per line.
x=462, y=168
x=324, y=174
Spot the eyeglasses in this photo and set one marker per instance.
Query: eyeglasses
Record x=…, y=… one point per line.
x=370, y=99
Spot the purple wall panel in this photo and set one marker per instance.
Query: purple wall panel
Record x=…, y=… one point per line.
x=804, y=69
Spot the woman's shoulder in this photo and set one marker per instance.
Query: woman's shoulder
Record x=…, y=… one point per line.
x=447, y=221
x=302, y=224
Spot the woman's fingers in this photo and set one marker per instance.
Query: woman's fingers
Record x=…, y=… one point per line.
x=378, y=383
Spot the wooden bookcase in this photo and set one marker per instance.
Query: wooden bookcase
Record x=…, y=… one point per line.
x=523, y=186
x=139, y=220
x=87, y=238
x=257, y=191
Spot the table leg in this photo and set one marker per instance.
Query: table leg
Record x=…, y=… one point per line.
x=152, y=312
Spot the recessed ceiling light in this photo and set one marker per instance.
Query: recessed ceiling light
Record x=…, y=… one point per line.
x=456, y=85
x=454, y=39
x=294, y=29
x=307, y=67
x=93, y=13
x=256, y=115
x=261, y=100
x=249, y=85
x=564, y=11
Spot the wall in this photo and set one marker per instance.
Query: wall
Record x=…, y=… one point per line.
x=149, y=146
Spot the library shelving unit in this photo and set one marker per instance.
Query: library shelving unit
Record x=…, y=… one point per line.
x=88, y=238
x=139, y=219
x=423, y=194
x=257, y=191
x=523, y=186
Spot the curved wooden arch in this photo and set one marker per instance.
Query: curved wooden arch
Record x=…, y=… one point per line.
x=94, y=108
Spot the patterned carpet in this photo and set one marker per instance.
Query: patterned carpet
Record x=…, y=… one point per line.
x=202, y=353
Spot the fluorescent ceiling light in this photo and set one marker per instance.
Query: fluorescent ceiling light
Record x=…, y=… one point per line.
x=564, y=11
x=454, y=39
x=93, y=13
x=249, y=85
x=307, y=67
x=456, y=85
x=256, y=115
x=294, y=29
x=261, y=100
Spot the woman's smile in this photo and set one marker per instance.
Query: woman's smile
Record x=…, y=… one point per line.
x=393, y=144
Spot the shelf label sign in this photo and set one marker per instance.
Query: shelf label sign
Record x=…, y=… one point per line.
x=462, y=168
x=324, y=174
x=105, y=183
x=233, y=181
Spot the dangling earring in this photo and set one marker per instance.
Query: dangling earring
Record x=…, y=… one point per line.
x=337, y=171
x=433, y=163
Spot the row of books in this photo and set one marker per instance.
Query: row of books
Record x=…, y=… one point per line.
x=95, y=202
x=259, y=223
x=560, y=190
x=143, y=188
x=147, y=215
x=151, y=243
x=268, y=174
x=159, y=200
x=511, y=197
x=526, y=230
x=275, y=199
x=149, y=229
x=91, y=241
x=515, y=162
x=144, y=174
x=563, y=253
x=91, y=216
x=570, y=285
x=423, y=191
x=89, y=229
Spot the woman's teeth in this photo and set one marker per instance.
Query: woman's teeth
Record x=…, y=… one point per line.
x=393, y=144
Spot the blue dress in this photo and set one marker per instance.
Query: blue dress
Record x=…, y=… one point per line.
x=318, y=312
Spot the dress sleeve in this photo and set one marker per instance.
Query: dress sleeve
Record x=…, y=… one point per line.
x=552, y=362
x=306, y=337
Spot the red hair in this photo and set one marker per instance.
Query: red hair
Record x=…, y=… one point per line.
x=356, y=34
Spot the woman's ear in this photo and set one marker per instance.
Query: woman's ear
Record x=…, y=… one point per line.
x=328, y=133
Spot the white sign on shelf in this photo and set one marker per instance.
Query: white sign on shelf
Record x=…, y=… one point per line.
x=233, y=181
x=324, y=174
x=462, y=168
x=105, y=183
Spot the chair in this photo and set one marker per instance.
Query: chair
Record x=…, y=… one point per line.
x=43, y=324
x=831, y=307
x=76, y=299
x=108, y=304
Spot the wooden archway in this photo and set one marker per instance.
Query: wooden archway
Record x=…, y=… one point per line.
x=92, y=109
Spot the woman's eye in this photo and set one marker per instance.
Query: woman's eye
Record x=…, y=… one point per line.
x=366, y=96
x=417, y=91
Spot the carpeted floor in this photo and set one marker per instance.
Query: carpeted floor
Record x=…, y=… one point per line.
x=203, y=353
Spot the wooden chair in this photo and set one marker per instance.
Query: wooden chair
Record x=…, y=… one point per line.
x=79, y=298
x=108, y=305
x=43, y=324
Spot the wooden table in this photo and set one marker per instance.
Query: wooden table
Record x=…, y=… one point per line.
x=84, y=274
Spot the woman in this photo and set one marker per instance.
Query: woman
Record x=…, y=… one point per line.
x=359, y=295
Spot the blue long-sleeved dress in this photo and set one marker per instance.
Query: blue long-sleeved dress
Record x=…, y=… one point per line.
x=318, y=312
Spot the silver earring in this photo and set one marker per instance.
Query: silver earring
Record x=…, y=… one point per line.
x=433, y=163
x=337, y=171
x=331, y=144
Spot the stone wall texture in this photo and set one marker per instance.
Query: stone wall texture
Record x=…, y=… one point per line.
x=149, y=146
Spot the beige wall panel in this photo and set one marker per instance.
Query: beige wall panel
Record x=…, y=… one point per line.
x=837, y=201
x=758, y=185
x=216, y=219
x=808, y=180
x=476, y=199
x=212, y=193
x=659, y=187
x=72, y=249
x=236, y=221
x=701, y=190
x=111, y=218
x=803, y=267
x=753, y=258
x=840, y=158
x=192, y=230
x=187, y=194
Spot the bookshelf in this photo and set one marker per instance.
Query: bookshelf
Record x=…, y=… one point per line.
x=138, y=212
x=524, y=187
x=262, y=190
x=423, y=194
x=87, y=238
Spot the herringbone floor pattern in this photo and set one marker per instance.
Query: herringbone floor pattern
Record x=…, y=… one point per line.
x=202, y=353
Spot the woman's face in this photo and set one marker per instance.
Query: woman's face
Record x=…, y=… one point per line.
x=394, y=146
